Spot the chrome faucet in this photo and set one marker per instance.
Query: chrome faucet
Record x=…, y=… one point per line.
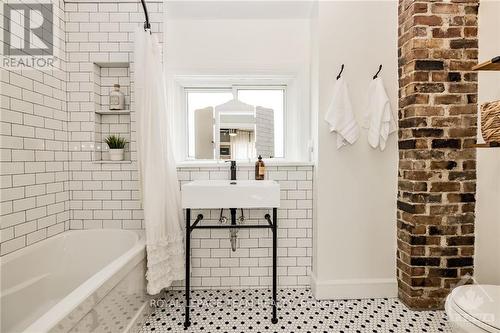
x=233, y=170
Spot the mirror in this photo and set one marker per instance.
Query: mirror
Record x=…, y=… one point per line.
x=231, y=129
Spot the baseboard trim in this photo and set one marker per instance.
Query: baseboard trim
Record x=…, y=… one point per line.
x=353, y=288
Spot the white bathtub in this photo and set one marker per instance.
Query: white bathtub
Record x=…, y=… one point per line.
x=63, y=283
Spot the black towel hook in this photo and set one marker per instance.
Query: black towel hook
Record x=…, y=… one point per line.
x=378, y=72
x=341, y=70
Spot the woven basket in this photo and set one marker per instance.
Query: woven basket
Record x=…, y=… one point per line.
x=490, y=121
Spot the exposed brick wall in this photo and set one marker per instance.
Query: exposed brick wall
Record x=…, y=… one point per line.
x=437, y=161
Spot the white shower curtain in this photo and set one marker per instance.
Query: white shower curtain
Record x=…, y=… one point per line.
x=157, y=171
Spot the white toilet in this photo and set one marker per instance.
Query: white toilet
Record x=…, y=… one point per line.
x=474, y=308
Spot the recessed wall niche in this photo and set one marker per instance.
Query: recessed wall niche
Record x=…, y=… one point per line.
x=106, y=121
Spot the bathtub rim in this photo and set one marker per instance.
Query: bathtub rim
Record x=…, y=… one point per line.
x=18, y=253
x=71, y=301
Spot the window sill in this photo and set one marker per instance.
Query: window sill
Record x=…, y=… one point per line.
x=112, y=162
x=214, y=164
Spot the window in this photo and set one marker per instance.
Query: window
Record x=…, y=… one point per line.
x=243, y=133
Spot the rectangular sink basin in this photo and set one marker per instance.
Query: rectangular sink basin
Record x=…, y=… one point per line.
x=223, y=194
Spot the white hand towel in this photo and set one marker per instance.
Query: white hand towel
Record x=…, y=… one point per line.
x=378, y=118
x=340, y=115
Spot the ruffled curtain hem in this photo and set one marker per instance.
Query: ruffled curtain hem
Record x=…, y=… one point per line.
x=165, y=264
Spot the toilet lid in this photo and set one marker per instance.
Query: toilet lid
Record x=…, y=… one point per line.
x=480, y=304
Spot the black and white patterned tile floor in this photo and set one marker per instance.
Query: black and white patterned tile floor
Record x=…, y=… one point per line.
x=249, y=310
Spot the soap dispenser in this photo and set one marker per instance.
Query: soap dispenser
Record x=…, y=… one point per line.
x=260, y=169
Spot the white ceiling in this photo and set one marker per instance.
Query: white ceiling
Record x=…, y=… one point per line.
x=236, y=9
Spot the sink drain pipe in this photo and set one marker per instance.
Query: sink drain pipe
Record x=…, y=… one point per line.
x=233, y=233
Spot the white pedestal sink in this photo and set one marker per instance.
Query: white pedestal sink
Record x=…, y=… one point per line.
x=231, y=194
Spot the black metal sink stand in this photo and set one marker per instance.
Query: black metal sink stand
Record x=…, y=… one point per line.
x=272, y=224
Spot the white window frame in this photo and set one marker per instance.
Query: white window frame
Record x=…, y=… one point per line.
x=178, y=103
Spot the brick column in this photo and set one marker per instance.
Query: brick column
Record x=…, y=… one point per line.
x=437, y=161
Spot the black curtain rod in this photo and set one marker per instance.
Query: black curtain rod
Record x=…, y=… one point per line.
x=147, y=25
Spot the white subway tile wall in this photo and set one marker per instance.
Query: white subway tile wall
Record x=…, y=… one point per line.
x=34, y=144
x=52, y=181
x=100, y=53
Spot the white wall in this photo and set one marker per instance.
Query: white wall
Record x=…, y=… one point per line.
x=244, y=47
x=488, y=160
x=226, y=46
x=355, y=187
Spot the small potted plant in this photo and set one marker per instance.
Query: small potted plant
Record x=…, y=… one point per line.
x=116, y=145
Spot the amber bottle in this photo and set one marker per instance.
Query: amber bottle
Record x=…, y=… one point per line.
x=260, y=169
